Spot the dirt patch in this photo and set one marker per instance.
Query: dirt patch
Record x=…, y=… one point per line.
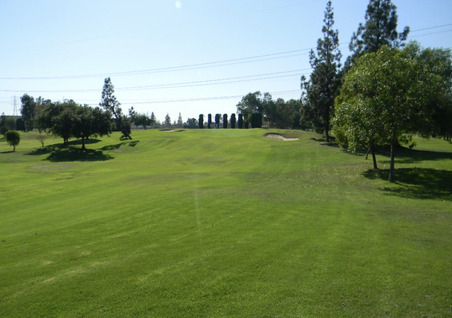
x=280, y=137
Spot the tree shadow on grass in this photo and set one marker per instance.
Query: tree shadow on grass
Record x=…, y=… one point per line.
x=131, y=143
x=76, y=154
x=62, y=152
x=406, y=155
x=417, y=183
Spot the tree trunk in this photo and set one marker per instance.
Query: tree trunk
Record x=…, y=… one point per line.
x=391, y=167
x=83, y=144
x=374, y=158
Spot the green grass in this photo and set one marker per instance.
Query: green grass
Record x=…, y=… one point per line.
x=223, y=223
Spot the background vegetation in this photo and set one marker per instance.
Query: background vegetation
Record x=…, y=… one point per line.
x=223, y=223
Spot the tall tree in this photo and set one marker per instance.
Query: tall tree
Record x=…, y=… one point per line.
x=27, y=111
x=319, y=92
x=201, y=121
x=180, y=122
x=233, y=120
x=384, y=98
x=167, y=123
x=225, y=120
x=379, y=28
x=111, y=104
x=209, y=121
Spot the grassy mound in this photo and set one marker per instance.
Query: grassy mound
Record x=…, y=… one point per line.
x=223, y=223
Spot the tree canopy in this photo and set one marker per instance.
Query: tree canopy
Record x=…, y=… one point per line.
x=384, y=98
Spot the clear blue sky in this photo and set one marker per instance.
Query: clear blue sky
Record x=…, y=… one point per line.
x=186, y=56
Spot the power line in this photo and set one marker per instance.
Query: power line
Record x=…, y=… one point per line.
x=200, y=98
x=219, y=81
x=242, y=60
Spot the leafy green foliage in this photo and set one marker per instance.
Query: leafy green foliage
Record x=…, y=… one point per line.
x=384, y=98
x=27, y=111
x=68, y=120
x=12, y=138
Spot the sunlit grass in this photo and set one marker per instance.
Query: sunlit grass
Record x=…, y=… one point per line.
x=223, y=223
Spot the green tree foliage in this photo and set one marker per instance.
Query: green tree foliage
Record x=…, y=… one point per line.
x=384, y=98
x=380, y=28
x=90, y=122
x=191, y=123
x=439, y=62
x=27, y=111
x=68, y=119
x=7, y=123
x=281, y=114
x=251, y=107
x=321, y=89
x=111, y=104
x=140, y=119
x=12, y=138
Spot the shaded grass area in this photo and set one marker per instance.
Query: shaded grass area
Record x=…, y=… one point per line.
x=223, y=223
x=417, y=183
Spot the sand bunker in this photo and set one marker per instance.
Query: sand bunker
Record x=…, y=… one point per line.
x=280, y=137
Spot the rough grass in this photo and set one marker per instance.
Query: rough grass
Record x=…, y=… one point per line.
x=222, y=223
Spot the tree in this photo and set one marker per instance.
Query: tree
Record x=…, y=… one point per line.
x=320, y=91
x=90, y=122
x=191, y=123
x=240, y=121
x=62, y=120
x=438, y=61
x=167, y=123
x=153, y=121
x=142, y=120
x=252, y=103
x=225, y=120
x=7, y=123
x=27, y=111
x=233, y=120
x=180, y=122
x=217, y=120
x=12, y=138
x=384, y=98
x=201, y=121
x=209, y=121
x=111, y=104
x=380, y=28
